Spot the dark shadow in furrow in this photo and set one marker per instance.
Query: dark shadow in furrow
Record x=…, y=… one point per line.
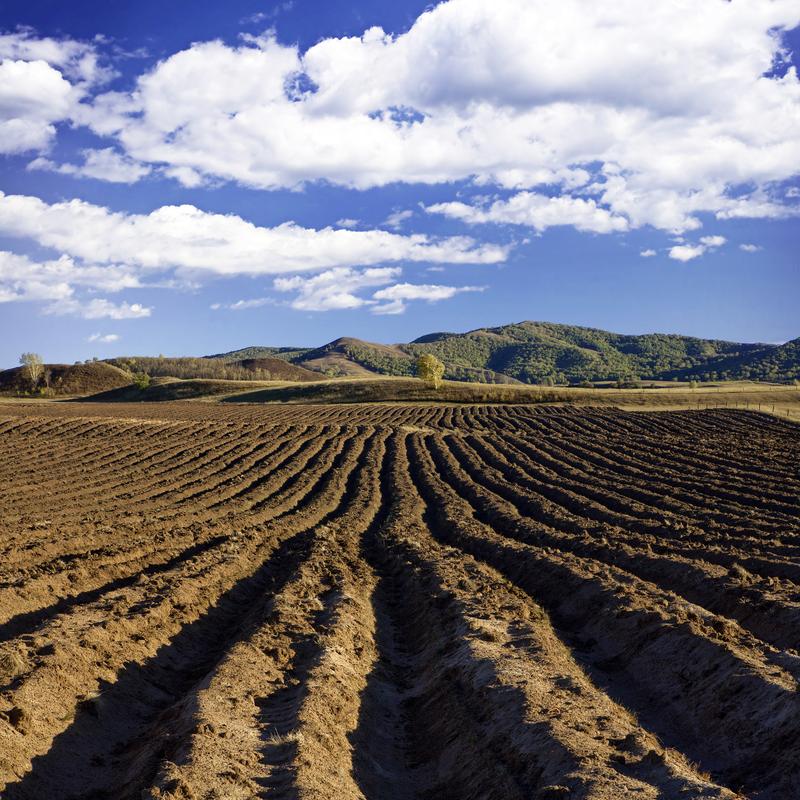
x=408, y=718
x=219, y=475
x=766, y=620
x=576, y=505
x=622, y=475
x=381, y=738
x=673, y=451
x=83, y=452
x=323, y=481
x=655, y=710
x=615, y=686
x=114, y=732
x=636, y=442
x=281, y=710
x=621, y=497
x=30, y=620
x=691, y=481
x=117, y=473
x=288, y=453
x=628, y=481
x=201, y=466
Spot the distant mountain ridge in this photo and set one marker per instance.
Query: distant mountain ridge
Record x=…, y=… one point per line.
x=546, y=352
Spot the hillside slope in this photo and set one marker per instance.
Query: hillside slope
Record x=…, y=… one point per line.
x=68, y=379
x=262, y=368
x=538, y=352
x=544, y=352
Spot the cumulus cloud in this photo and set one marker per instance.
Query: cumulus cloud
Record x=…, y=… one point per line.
x=79, y=61
x=104, y=164
x=26, y=279
x=335, y=289
x=750, y=248
x=98, y=308
x=395, y=297
x=656, y=110
x=686, y=252
x=649, y=253
x=105, y=251
x=107, y=338
x=33, y=96
x=347, y=222
x=42, y=82
x=537, y=211
x=186, y=238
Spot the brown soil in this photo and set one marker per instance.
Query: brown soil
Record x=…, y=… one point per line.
x=386, y=602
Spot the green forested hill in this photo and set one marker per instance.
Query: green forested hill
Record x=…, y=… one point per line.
x=545, y=352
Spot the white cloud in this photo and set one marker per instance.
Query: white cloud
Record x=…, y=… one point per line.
x=41, y=83
x=104, y=165
x=395, y=296
x=243, y=305
x=396, y=219
x=186, y=238
x=337, y=289
x=649, y=253
x=537, y=211
x=79, y=61
x=334, y=289
x=672, y=100
x=33, y=96
x=793, y=191
x=22, y=278
x=99, y=308
x=107, y=338
x=347, y=222
x=750, y=248
x=686, y=252
x=264, y=16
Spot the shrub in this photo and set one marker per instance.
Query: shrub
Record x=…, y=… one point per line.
x=141, y=380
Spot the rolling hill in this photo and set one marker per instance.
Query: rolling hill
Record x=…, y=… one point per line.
x=544, y=352
x=68, y=379
x=257, y=367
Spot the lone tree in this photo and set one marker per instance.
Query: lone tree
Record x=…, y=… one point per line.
x=32, y=368
x=430, y=370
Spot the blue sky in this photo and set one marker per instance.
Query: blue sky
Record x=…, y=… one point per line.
x=191, y=177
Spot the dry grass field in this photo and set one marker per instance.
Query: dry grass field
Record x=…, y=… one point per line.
x=384, y=602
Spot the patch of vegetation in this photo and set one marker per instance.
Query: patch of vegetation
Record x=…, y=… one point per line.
x=399, y=390
x=286, y=353
x=63, y=379
x=264, y=368
x=547, y=353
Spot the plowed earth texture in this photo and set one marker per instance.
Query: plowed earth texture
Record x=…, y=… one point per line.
x=397, y=602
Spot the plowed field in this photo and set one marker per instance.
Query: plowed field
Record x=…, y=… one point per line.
x=397, y=602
